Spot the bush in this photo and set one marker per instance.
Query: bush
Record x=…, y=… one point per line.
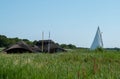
x=99, y=49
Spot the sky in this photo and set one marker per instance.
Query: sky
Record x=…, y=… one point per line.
x=68, y=21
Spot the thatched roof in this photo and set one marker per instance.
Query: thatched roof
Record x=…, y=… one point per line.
x=49, y=44
x=22, y=47
x=36, y=48
x=19, y=47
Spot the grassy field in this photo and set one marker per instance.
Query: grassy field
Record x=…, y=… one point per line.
x=76, y=64
x=1, y=49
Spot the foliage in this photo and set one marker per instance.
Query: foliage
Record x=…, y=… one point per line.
x=69, y=46
x=76, y=64
x=5, y=41
x=99, y=49
x=27, y=41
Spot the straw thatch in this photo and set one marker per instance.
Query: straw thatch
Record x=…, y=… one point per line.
x=19, y=47
x=49, y=46
x=22, y=47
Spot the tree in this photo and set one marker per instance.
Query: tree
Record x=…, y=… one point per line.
x=27, y=41
x=69, y=46
x=5, y=42
x=35, y=42
x=64, y=46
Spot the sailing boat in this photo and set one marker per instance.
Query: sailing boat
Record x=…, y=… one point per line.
x=97, y=40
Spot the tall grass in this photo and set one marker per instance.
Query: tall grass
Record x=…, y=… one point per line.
x=76, y=64
x=1, y=49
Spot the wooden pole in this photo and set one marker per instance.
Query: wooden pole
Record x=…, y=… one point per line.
x=49, y=43
x=42, y=41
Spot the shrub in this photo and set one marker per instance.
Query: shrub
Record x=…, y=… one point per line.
x=99, y=49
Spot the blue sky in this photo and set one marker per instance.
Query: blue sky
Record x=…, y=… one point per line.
x=69, y=21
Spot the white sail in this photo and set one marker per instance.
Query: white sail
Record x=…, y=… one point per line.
x=97, y=40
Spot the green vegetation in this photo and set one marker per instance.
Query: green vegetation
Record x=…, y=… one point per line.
x=5, y=41
x=77, y=64
x=1, y=49
x=69, y=46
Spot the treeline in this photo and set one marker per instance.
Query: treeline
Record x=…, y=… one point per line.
x=5, y=42
x=68, y=46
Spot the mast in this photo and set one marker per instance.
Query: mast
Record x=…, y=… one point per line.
x=49, y=43
x=42, y=41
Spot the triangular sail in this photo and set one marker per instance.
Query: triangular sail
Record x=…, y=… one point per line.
x=97, y=40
